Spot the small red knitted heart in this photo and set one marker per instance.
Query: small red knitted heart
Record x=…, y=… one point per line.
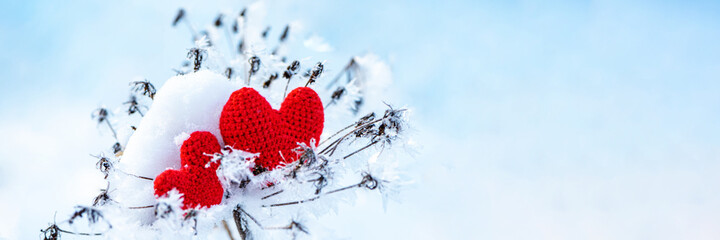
x=199, y=184
x=248, y=123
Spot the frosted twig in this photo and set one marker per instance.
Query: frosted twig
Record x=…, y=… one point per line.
x=102, y=114
x=346, y=70
x=197, y=55
x=291, y=70
x=336, y=95
x=93, y=216
x=336, y=142
x=103, y=197
x=254, y=62
x=361, y=149
x=134, y=106
x=272, y=194
x=137, y=176
x=145, y=87
x=368, y=182
x=78, y=233
x=389, y=114
x=242, y=224
x=272, y=77
x=181, y=17
x=142, y=207
x=112, y=129
x=227, y=229
x=336, y=133
x=315, y=73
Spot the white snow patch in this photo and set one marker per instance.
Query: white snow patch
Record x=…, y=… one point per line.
x=187, y=103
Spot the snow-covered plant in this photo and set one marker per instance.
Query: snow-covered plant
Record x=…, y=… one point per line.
x=354, y=151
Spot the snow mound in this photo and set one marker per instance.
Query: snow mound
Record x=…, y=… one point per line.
x=186, y=103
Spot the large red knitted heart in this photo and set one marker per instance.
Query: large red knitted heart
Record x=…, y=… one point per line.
x=248, y=123
x=196, y=179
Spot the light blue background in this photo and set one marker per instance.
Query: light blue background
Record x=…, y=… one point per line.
x=539, y=119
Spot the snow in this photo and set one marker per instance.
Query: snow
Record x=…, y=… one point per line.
x=184, y=104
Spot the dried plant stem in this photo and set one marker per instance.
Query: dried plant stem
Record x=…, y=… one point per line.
x=336, y=133
x=249, y=216
x=316, y=197
x=330, y=103
x=272, y=194
x=339, y=75
x=137, y=176
x=142, y=207
x=227, y=229
x=77, y=233
x=336, y=142
x=288, y=227
x=241, y=223
x=361, y=149
x=112, y=129
x=286, y=87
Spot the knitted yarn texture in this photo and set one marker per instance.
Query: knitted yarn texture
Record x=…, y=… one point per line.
x=249, y=123
x=197, y=178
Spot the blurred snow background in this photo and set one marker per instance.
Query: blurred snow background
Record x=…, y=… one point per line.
x=539, y=120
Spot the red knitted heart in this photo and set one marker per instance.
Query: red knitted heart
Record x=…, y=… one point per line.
x=248, y=123
x=196, y=179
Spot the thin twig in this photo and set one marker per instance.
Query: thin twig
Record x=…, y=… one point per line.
x=316, y=197
x=361, y=149
x=250, y=216
x=339, y=75
x=112, y=129
x=227, y=229
x=240, y=223
x=79, y=233
x=273, y=194
x=286, y=87
x=337, y=142
x=238, y=210
x=348, y=134
x=137, y=176
x=142, y=207
x=336, y=133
